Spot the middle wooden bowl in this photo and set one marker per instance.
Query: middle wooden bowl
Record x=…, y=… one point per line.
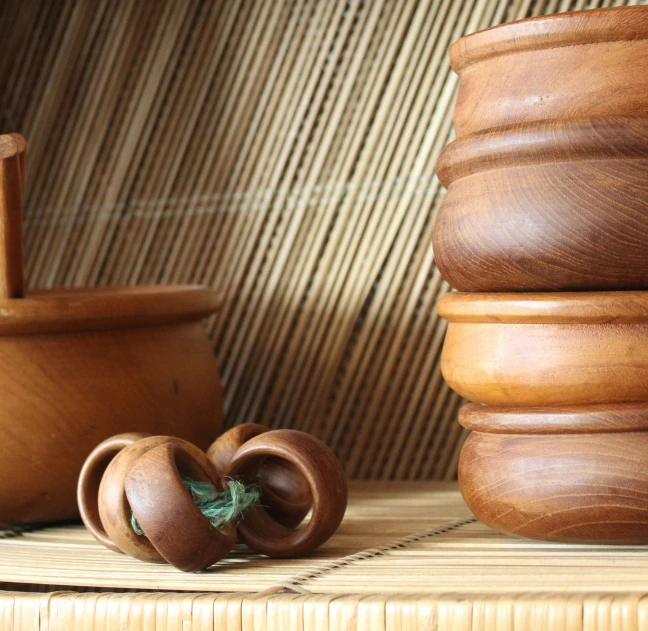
x=546, y=206
x=547, y=349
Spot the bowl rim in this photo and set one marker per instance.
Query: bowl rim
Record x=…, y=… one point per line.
x=596, y=307
x=544, y=32
x=571, y=419
x=105, y=308
x=545, y=142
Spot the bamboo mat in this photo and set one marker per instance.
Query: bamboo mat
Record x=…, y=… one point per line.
x=408, y=556
x=282, y=152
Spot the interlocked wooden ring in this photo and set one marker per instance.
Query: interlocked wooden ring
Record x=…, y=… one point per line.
x=136, y=474
x=325, y=478
x=106, y=510
x=286, y=494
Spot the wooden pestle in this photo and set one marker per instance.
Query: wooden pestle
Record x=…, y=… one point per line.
x=12, y=180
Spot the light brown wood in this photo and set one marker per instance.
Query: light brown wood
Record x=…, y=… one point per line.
x=588, y=63
x=578, y=482
x=72, y=390
x=12, y=179
x=564, y=361
x=326, y=480
x=556, y=205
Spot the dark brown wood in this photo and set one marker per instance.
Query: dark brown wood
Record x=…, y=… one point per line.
x=550, y=206
x=570, y=65
x=166, y=511
x=588, y=484
x=326, y=480
x=285, y=493
x=90, y=478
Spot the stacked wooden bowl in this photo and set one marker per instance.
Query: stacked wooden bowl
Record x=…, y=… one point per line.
x=544, y=230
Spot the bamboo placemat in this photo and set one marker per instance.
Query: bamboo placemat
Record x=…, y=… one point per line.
x=281, y=151
x=408, y=556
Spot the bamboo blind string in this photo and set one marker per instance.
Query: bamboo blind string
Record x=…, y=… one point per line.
x=126, y=237
x=317, y=300
x=378, y=402
x=167, y=150
x=112, y=166
x=383, y=410
x=282, y=160
x=216, y=126
x=140, y=114
x=75, y=179
x=359, y=348
x=373, y=213
x=311, y=172
x=277, y=161
x=326, y=138
x=216, y=169
x=164, y=239
x=222, y=250
x=309, y=253
x=262, y=26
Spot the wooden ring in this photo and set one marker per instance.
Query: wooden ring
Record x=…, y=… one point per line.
x=324, y=475
x=286, y=494
x=114, y=508
x=90, y=478
x=167, y=512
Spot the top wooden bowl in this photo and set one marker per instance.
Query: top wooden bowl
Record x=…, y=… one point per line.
x=557, y=67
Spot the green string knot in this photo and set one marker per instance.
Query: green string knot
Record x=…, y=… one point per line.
x=219, y=507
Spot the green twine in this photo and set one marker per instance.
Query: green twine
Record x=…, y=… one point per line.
x=220, y=507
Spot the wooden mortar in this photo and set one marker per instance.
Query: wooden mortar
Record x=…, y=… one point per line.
x=82, y=365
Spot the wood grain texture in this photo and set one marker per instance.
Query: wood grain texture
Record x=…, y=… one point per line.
x=73, y=390
x=285, y=493
x=12, y=180
x=546, y=207
x=600, y=307
x=326, y=480
x=574, y=488
x=168, y=514
x=592, y=349
x=92, y=472
x=589, y=63
x=574, y=419
x=111, y=524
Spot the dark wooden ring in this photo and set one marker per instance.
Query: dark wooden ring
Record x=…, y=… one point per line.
x=167, y=513
x=90, y=478
x=285, y=492
x=325, y=477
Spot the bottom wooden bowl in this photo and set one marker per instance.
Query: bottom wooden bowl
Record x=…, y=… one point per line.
x=574, y=475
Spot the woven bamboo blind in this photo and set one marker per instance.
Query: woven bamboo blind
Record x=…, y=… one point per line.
x=281, y=151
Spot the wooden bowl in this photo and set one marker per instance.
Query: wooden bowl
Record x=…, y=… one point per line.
x=547, y=349
x=546, y=206
x=79, y=366
x=556, y=67
x=586, y=483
